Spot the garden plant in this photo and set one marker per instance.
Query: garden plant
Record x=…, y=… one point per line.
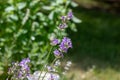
x=31, y=32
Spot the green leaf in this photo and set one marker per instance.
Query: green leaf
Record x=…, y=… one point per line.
x=33, y=3
x=73, y=4
x=47, y=7
x=13, y=17
x=59, y=1
x=73, y=27
x=9, y=9
x=76, y=20
x=21, y=5
x=51, y=15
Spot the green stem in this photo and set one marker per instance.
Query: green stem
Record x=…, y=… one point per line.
x=8, y=78
x=51, y=65
x=44, y=75
x=49, y=53
x=45, y=60
x=53, y=61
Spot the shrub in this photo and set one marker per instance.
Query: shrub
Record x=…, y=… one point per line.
x=28, y=26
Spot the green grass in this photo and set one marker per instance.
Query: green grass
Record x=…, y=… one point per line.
x=97, y=43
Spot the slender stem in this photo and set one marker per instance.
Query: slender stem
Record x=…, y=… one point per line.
x=40, y=72
x=51, y=65
x=8, y=78
x=53, y=61
x=49, y=53
x=44, y=75
x=45, y=60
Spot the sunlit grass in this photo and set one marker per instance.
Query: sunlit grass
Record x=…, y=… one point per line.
x=92, y=74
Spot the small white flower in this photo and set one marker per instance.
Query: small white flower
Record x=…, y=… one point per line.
x=57, y=63
x=69, y=63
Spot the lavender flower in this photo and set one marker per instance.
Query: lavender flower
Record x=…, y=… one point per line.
x=69, y=15
x=24, y=64
x=48, y=76
x=54, y=77
x=25, y=70
x=57, y=53
x=65, y=44
x=34, y=76
x=13, y=69
x=50, y=69
x=54, y=42
x=63, y=18
x=63, y=26
x=20, y=71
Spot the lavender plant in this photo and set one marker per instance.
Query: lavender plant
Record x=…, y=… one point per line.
x=50, y=71
x=28, y=26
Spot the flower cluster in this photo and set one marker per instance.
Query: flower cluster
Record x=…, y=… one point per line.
x=20, y=70
x=54, y=42
x=24, y=70
x=63, y=47
x=51, y=73
x=14, y=70
x=64, y=19
x=66, y=42
x=54, y=77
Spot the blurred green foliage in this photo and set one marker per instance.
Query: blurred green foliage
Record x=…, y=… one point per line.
x=26, y=28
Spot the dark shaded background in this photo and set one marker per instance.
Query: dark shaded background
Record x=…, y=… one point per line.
x=97, y=41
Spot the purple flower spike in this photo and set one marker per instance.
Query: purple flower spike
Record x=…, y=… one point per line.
x=50, y=69
x=70, y=15
x=20, y=74
x=63, y=18
x=63, y=26
x=20, y=70
x=65, y=44
x=54, y=42
x=57, y=53
x=24, y=61
x=24, y=67
x=54, y=77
